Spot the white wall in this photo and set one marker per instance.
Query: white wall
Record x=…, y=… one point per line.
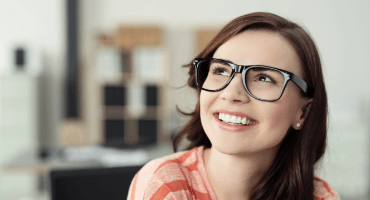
x=38, y=24
x=340, y=29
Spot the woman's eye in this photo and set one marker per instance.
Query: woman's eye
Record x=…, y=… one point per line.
x=264, y=78
x=221, y=71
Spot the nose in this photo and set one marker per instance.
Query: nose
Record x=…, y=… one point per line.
x=235, y=91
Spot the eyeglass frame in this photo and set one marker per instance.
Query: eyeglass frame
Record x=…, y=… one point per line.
x=243, y=70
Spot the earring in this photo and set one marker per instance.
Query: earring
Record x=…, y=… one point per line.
x=298, y=125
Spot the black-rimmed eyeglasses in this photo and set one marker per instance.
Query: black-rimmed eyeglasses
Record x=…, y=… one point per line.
x=261, y=82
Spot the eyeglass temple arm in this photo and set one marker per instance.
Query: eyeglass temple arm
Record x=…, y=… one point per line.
x=301, y=84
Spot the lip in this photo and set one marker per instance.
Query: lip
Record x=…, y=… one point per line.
x=232, y=128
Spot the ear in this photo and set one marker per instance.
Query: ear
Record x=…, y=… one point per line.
x=306, y=104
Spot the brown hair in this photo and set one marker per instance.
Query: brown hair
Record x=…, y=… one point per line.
x=291, y=176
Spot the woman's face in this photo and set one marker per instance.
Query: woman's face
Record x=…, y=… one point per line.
x=273, y=119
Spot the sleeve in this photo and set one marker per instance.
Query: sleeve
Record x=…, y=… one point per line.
x=333, y=194
x=324, y=191
x=336, y=196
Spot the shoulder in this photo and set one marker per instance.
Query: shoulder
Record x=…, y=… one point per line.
x=165, y=176
x=324, y=191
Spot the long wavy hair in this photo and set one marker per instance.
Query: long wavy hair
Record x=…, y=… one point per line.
x=291, y=175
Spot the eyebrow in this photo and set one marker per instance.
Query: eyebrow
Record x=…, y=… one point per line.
x=226, y=60
x=243, y=65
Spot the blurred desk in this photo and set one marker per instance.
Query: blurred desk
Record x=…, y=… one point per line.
x=91, y=156
x=29, y=161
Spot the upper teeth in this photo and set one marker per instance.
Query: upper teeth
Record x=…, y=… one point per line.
x=234, y=119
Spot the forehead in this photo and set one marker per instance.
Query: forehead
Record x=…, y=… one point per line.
x=256, y=47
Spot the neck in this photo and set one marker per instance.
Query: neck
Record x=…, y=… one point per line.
x=236, y=176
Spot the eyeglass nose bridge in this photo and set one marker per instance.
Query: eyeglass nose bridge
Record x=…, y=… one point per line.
x=238, y=68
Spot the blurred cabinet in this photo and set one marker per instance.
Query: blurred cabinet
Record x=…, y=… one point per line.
x=19, y=107
x=134, y=106
x=133, y=72
x=18, y=129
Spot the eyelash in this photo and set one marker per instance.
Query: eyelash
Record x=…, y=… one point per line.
x=217, y=69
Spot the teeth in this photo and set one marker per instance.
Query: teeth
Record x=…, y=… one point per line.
x=227, y=118
x=232, y=119
x=244, y=120
x=239, y=120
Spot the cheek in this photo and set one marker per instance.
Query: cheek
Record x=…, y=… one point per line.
x=277, y=125
x=280, y=116
x=206, y=100
x=204, y=107
x=204, y=104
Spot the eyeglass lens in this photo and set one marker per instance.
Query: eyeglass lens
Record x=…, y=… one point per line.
x=261, y=82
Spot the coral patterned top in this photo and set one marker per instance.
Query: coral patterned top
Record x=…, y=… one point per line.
x=182, y=175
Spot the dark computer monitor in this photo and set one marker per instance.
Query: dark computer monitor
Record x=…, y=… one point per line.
x=92, y=183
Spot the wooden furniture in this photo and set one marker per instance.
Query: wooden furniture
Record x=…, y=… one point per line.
x=134, y=95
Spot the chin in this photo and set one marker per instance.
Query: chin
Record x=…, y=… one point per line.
x=229, y=148
x=229, y=144
x=232, y=147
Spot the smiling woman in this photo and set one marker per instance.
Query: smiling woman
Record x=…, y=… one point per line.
x=260, y=124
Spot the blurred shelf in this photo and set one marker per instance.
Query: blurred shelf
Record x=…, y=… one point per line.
x=123, y=112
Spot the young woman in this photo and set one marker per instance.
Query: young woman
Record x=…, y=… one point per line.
x=260, y=124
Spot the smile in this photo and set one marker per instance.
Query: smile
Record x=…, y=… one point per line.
x=235, y=120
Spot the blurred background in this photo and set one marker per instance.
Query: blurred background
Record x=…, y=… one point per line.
x=89, y=88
